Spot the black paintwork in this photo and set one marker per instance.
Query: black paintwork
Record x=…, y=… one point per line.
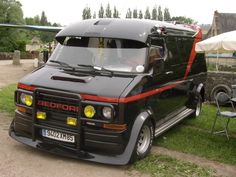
x=137, y=30
x=93, y=142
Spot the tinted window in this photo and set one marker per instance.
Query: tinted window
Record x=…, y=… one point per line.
x=173, y=53
x=184, y=48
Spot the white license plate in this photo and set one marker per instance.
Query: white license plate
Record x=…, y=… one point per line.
x=58, y=135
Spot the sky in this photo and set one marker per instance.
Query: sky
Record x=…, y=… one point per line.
x=66, y=12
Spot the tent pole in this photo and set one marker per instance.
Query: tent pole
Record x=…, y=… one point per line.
x=217, y=61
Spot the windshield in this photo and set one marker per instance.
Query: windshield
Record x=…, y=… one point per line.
x=110, y=54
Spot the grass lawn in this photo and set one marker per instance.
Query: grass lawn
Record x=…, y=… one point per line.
x=164, y=166
x=193, y=136
x=7, y=99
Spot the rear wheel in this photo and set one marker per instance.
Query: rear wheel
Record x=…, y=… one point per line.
x=144, y=141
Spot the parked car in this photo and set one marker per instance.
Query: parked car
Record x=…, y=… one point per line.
x=109, y=88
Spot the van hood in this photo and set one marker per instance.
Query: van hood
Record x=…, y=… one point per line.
x=58, y=79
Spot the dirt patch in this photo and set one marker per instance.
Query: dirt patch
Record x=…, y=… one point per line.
x=10, y=74
x=219, y=168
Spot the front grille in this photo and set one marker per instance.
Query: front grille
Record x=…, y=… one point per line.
x=58, y=106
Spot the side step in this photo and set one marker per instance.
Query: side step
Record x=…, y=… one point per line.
x=176, y=119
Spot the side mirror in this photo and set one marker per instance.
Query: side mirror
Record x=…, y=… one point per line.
x=159, y=65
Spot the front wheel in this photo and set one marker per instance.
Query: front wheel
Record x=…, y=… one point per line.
x=198, y=108
x=144, y=141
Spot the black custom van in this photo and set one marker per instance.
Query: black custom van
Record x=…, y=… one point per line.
x=109, y=88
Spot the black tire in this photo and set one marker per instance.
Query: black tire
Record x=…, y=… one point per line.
x=220, y=88
x=144, y=141
x=198, y=107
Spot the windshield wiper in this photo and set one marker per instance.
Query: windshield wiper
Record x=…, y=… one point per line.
x=96, y=68
x=63, y=64
x=85, y=66
x=102, y=69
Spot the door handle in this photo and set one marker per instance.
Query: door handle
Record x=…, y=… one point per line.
x=169, y=72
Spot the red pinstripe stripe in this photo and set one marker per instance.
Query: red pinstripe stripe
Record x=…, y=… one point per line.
x=192, y=56
x=99, y=98
x=26, y=87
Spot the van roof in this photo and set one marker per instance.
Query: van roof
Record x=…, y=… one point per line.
x=134, y=29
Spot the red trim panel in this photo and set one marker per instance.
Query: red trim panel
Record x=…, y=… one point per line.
x=99, y=98
x=25, y=87
x=146, y=94
x=130, y=98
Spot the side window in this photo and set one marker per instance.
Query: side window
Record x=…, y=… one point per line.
x=173, y=53
x=157, y=54
x=155, y=59
x=159, y=44
x=184, y=48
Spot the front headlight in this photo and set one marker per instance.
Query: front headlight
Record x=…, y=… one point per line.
x=89, y=111
x=107, y=112
x=26, y=99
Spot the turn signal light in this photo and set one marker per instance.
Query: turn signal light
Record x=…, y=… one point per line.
x=71, y=121
x=41, y=115
x=21, y=109
x=118, y=127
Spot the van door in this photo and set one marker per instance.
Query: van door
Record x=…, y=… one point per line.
x=165, y=102
x=179, y=49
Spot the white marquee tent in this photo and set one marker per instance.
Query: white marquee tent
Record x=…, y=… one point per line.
x=222, y=43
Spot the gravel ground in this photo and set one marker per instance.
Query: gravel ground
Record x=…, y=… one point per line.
x=12, y=73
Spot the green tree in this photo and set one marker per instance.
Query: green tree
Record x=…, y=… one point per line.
x=43, y=19
x=129, y=13
x=167, y=16
x=115, y=13
x=29, y=21
x=160, y=14
x=101, y=12
x=86, y=13
x=37, y=20
x=108, y=11
x=45, y=37
x=183, y=19
x=147, y=14
x=140, y=14
x=11, y=39
x=94, y=15
x=154, y=13
x=135, y=13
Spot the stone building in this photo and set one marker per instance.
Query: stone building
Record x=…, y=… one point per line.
x=223, y=80
x=221, y=23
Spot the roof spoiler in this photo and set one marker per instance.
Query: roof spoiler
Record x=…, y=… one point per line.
x=194, y=27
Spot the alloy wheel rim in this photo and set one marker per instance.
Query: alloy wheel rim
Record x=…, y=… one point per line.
x=198, y=108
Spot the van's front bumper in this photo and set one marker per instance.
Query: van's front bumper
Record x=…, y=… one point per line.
x=97, y=145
